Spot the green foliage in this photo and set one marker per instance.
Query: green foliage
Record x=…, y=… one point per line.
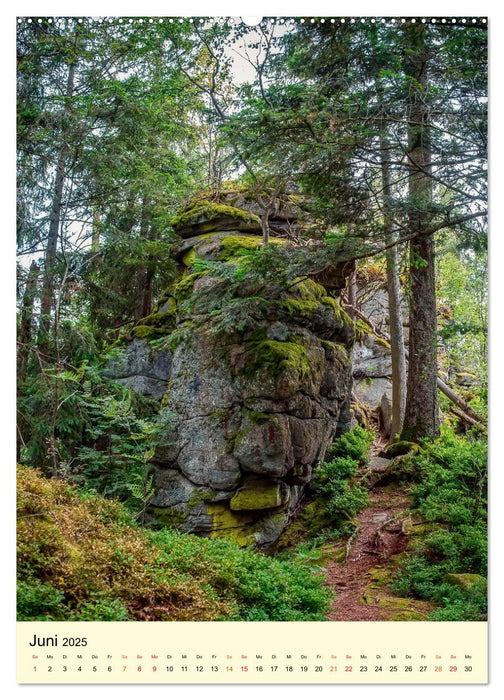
x=123, y=117
x=332, y=481
x=104, y=433
x=263, y=587
x=39, y=601
x=342, y=499
x=354, y=444
x=103, y=610
x=462, y=302
x=420, y=577
x=347, y=500
x=452, y=497
x=81, y=557
x=454, y=482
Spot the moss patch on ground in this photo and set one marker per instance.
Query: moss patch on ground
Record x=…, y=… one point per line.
x=394, y=608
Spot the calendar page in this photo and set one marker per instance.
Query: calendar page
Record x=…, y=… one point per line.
x=252, y=350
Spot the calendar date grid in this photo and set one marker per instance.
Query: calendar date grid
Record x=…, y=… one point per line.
x=254, y=664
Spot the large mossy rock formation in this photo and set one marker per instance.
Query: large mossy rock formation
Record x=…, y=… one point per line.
x=251, y=413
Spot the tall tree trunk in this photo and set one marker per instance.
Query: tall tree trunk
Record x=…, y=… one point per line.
x=145, y=275
x=421, y=414
x=46, y=298
x=95, y=232
x=352, y=293
x=397, y=347
x=26, y=321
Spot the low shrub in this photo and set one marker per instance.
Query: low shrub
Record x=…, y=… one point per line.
x=83, y=557
x=354, y=444
x=337, y=497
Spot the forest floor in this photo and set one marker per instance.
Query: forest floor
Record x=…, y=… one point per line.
x=360, y=581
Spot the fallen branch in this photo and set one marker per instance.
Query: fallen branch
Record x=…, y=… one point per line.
x=467, y=410
x=468, y=420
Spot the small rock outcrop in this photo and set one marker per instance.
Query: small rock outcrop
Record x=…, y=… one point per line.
x=142, y=369
x=248, y=413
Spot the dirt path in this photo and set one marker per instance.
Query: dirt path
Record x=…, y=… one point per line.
x=360, y=581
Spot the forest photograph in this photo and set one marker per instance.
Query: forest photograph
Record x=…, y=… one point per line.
x=252, y=333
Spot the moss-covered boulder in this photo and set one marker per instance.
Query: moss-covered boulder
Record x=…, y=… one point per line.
x=402, y=447
x=465, y=379
x=466, y=581
x=260, y=495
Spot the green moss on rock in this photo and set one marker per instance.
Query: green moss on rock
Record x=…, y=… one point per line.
x=230, y=525
x=299, y=307
x=167, y=516
x=162, y=319
x=189, y=257
x=308, y=289
x=401, y=447
x=382, y=342
x=361, y=329
x=184, y=288
x=277, y=357
x=230, y=246
x=157, y=325
x=256, y=417
x=204, y=214
x=260, y=496
x=143, y=332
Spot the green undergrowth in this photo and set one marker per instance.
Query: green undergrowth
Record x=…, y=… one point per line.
x=333, y=480
x=447, y=560
x=334, y=499
x=83, y=557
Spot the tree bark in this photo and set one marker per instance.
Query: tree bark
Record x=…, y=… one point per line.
x=352, y=293
x=397, y=347
x=421, y=413
x=46, y=298
x=145, y=276
x=26, y=322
